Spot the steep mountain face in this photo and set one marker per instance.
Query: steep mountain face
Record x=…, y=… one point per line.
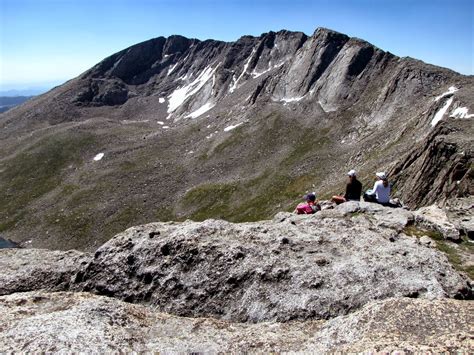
x=176, y=128
x=439, y=167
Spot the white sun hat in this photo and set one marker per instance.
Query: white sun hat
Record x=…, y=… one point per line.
x=381, y=175
x=352, y=173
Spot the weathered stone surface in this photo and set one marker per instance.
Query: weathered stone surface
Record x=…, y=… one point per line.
x=435, y=218
x=460, y=212
x=396, y=218
x=425, y=240
x=34, y=269
x=82, y=322
x=295, y=267
x=400, y=324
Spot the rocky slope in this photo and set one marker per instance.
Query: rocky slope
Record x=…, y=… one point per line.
x=175, y=128
x=359, y=277
x=439, y=167
x=81, y=322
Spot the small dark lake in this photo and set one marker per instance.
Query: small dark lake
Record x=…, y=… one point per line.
x=5, y=243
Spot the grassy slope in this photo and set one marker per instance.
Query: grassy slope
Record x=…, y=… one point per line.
x=55, y=194
x=37, y=171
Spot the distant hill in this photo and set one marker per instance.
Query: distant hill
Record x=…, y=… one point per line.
x=31, y=91
x=7, y=102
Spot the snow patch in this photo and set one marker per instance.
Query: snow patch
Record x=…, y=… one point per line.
x=230, y=128
x=451, y=90
x=461, y=112
x=166, y=127
x=255, y=74
x=233, y=86
x=133, y=121
x=246, y=65
x=161, y=100
x=292, y=99
x=160, y=123
x=201, y=110
x=180, y=95
x=98, y=156
x=170, y=70
x=439, y=115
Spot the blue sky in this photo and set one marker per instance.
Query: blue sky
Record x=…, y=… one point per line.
x=45, y=42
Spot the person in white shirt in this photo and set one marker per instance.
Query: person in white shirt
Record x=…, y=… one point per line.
x=381, y=191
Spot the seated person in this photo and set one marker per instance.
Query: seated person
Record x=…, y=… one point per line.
x=310, y=206
x=353, y=189
x=381, y=191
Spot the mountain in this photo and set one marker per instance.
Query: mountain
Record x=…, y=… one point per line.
x=30, y=91
x=176, y=128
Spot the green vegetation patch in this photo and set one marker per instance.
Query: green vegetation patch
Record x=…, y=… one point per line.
x=125, y=217
x=165, y=214
x=37, y=171
x=252, y=200
x=235, y=139
x=210, y=200
x=75, y=225
x=310, y=141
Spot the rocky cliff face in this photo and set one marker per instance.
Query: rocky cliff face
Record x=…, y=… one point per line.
x=198, y=129
x=439, y=167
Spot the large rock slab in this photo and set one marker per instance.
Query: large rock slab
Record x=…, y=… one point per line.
x=82, y=322
x=436, y=218
x=399, y=324
x=35, y=269
x=295, y=267
x=460, y=212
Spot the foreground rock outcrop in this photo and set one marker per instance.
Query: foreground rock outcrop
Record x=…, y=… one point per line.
x=291, y=268
x=34, y=269
x=82, y=322
x=295, y=267
x=358, y=277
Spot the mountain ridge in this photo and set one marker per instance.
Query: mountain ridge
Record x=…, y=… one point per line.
x=235, y=130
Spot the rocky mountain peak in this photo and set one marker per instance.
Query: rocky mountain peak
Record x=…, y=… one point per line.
x=138, y=171
x=192, y=125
